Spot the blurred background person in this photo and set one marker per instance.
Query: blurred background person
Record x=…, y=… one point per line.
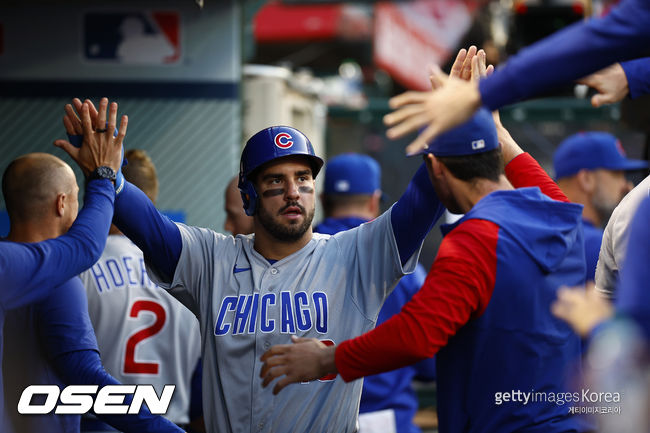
x=590, y=169
x=237, y=222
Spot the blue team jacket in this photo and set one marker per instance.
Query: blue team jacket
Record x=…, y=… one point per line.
x=516, y=344
x=390, y=390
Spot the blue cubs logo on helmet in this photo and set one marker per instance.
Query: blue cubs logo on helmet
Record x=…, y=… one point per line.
x=283, y=140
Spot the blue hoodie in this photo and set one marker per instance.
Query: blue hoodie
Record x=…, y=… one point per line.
x=516, y=346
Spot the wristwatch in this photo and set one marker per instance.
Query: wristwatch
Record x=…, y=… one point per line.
x=103, y=172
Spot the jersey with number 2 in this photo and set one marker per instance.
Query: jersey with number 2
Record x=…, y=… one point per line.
x=145, y=335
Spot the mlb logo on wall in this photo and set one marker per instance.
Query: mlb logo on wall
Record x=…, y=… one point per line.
x=138, y=37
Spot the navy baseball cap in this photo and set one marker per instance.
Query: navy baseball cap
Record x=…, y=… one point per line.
x=477, y=135
x=590, y=151
x=352, y=173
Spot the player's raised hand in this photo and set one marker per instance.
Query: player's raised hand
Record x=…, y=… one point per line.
x=610, y=83
x=509, y=147
x=305, y=360
x=450, y=104
x=100, y=147
x=71, y=120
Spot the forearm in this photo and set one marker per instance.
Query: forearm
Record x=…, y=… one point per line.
x=415, y=213
x=637, y=73
x=155, y=234
x=458, y=287
x=524, y=171
x=572, y=53
x=84, y=367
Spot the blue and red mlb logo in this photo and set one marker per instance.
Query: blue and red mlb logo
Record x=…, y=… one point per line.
x=137, y=37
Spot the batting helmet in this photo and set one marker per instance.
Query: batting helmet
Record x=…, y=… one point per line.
x=267, y=145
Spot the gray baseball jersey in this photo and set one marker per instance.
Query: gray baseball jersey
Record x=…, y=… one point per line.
x=331, y=289
x=615, y=238
x=144, y=334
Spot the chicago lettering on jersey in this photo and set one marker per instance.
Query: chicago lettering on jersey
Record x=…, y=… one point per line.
x=246, y=314
x=120, y=273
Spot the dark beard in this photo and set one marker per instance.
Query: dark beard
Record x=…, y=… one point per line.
x=284, y=233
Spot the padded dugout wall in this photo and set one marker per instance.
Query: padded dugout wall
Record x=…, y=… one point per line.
x=186, y=113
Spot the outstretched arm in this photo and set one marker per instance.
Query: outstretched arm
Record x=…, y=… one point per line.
x=418, y=209
x=155, y=234
x=414, y=214
x=521, y=169
x=135, y=215
x=567, y=55
x=458, y=287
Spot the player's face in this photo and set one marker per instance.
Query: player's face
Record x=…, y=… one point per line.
x=286, y=198
x=611, y=187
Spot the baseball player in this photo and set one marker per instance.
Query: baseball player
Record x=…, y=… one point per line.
x=590, y=169
x=52, y=340
x=351, y=197
x=145, y=336
x=572, y=53
x=484, y=308
x=250, y=292
x=30, y=271
x=237, y=222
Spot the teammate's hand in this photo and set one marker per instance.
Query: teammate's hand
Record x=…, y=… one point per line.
x=581, y=308
x=71, y=120
x=509, y=147
x=100, y=147
x=610, y=83
x=453, y=101
x=305, y=360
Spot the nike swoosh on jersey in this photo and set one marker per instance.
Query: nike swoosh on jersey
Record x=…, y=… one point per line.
x=235, y=269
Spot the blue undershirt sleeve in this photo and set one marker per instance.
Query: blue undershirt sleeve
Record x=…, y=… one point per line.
x=575, y=52
x=638, y=76
x=84, y=367
x=415, y=214
x=28, y=271
x=155, y=234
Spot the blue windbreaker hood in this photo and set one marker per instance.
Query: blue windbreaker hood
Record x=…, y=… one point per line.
x=529, y=213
